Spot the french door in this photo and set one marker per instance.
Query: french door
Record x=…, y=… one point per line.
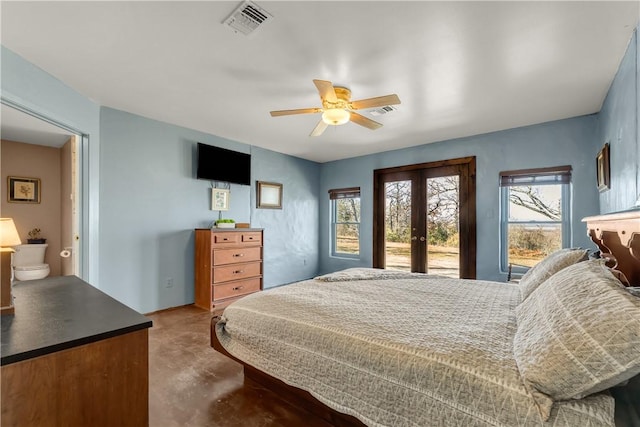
x=424, y=218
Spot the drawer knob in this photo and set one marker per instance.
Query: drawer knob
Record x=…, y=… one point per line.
x=238, y=255
x=238, y=271
x=237, y=288
x=225, y=239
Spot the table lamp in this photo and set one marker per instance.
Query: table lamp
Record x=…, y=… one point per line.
x=8, y=237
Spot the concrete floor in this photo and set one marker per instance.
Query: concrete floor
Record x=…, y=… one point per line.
x=191, y=384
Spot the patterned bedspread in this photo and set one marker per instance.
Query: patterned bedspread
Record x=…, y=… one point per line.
x=405, y=350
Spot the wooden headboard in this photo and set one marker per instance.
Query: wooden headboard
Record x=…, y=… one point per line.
x=617, y=235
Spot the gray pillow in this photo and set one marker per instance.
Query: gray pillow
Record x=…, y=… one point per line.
x=578, y=333
x=549, y=266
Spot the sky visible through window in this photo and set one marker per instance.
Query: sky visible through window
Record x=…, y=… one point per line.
x=548, y=194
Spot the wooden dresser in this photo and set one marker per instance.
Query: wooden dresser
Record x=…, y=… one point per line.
x=228, y=265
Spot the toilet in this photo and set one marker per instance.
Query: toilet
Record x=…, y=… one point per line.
x=28, y=262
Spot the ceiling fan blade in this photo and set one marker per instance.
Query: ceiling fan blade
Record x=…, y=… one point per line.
x=365, y=121
x=298, y=111
x=326, y=90
x=379, y=101
x=320, y=127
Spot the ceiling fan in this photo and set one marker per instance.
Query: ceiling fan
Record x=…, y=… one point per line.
x=338, y=109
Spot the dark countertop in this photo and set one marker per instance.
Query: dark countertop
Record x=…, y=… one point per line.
x=58, y=313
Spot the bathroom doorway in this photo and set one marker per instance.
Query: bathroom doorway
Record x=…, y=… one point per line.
x=50, y=155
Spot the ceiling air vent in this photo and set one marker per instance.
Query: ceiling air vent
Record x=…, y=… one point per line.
x=383, y=110
x=247, y=18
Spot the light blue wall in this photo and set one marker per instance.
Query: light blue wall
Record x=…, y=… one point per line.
x=618, y=125
x=31, y=89
x=151, y=202
x=564, y=142
x=290, y=233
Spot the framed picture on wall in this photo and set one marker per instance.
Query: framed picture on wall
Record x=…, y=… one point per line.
x=602, y=169
x=269, y=195
x=23, y=190
x=220, y=199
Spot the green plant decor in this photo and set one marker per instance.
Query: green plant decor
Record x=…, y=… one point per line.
x=225, y=221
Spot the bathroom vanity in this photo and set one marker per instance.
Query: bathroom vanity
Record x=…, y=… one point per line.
x=72, y=355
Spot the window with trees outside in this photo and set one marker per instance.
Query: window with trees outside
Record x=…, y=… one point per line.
x=534, y=215
x=345, y=222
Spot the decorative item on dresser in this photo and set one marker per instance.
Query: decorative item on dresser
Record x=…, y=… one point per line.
x=228, y=265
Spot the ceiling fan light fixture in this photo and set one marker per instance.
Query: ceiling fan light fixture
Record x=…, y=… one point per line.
x=338, y=109
x=335, y=116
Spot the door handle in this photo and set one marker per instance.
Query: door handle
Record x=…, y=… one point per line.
x=414, y=238
x=422, y=238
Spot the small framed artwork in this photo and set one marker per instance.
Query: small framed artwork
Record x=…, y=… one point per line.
x=23, y=190
x=602, y=169
x=220, y=199
x=269, y=195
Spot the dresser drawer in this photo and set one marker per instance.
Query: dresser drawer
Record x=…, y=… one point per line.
x=226, y=273
x=225, y=238
x=233, y=289
x=251, y=237
x=236, y=255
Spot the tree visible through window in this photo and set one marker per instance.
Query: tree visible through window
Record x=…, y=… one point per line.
x=398, y=213
x=345, y=221
x=534, y=215
x=442, y=225
x=443, y=210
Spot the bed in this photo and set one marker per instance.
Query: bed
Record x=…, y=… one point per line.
x=386, y=348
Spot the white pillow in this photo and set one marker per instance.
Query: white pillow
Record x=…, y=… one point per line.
x=549, y=266
x=578, y=333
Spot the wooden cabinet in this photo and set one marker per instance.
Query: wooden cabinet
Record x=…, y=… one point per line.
x=228, y=265
x=104, y=383
x=73, y=356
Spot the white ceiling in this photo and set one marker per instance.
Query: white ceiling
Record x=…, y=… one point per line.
x=459, y=68
x=21, y=127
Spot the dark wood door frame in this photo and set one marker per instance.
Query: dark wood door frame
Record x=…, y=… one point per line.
x=466, y=167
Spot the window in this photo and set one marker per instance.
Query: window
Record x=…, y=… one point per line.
x=534, y=215
x=345, y=222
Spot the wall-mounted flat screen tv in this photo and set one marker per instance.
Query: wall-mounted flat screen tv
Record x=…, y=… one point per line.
x=220, y=164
